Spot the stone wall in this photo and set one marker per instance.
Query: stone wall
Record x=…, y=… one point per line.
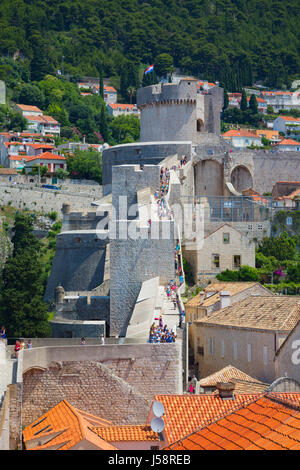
x=116, y=383
x=44, y=200
x=79, y=262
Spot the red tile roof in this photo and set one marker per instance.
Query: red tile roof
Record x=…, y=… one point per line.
x=42, y=119
x=109, y=89
x=121, y=106
x=63, y=427
x=47, y=156
x=240, y=133
x=186, y=413
x=270, y=422
x=40, y=146
x=289, y=142
x=289, y=118
x=126, y=433
x=26, y=107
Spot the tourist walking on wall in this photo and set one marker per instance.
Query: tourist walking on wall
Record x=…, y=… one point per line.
x=3, y=333
x=101, y=339
x=29, y=344
x=82, y=340
x=17, y=348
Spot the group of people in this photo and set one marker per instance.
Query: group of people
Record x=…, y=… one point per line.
x=162, y=207
x=20, y=344
x=161, y=333
x=101, y=340
x=178, y=267
x=183, y=161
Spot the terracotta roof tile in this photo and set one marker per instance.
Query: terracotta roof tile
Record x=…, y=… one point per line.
x=232, y=287
x=232, y=374
x=186, y=413
x=63, y=426
x=47, y=156
x=262, y=312
x=289, y=142
x=121, y=106
x=26, y=107
x=265, y=423
x=127, y=433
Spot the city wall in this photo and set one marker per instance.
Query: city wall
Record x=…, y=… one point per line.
x=44, y=200
x=115, y=382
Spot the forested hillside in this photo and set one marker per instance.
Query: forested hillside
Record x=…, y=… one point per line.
x=234, y=41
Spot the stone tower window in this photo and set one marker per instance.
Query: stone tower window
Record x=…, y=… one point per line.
x=200, y=125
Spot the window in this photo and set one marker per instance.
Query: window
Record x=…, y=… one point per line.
x=249, y=352
x=216, y=261
x=237, y=261
x=199, y=125
x=222, y=347
x=211, y=346
x=154, y=447
x=235, y=351
x=226, y=238
x=265, y=355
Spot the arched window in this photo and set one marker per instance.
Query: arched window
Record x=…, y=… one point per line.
x=199, y=125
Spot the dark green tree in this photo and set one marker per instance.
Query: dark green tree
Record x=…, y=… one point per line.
x=244, y=104
x=103, y=124
x=253, y=104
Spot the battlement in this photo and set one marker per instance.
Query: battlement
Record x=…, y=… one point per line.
x=184, y=91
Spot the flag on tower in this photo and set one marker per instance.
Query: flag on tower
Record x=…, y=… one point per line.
x=149, y=69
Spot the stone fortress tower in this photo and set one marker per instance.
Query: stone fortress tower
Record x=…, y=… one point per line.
x=171, y=112
x=177, y=121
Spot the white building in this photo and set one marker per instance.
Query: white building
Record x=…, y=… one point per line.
x=52, y=161
x=288, y=145
x=242, y=138
x=286, y=124
x=282, y=99
x=120, y=109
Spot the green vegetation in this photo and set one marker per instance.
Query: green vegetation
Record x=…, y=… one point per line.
x=277, y=261
x=85, y=164
x=234, y=41
x=22, y=308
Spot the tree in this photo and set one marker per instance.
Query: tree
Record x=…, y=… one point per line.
x=101, y=86
x=253, y=104
x=244, y=104
x=22, y=308
x=16, y=122
x=32, y=95
x=282, y=248
x=85, y=164
x=103, y=124
x=226, y=100
x=125, y=128
x=163, y=64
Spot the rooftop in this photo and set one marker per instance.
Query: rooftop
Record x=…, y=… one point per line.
x=186, y=413
x=26, y=107
x=259, y=312
x=240, y=133
x=232, y=287
x=126, y=433
x=289, y=142
x=269, y=422
x=243, y=382
x=62, y=427
x=47, y=156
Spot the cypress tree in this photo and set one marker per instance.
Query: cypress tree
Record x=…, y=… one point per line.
x=253, y=104
x=244, y=101
x=103, y=124
x=101, y=86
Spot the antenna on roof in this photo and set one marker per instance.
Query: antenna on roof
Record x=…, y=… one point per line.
x=158, y=409
x=157, y=425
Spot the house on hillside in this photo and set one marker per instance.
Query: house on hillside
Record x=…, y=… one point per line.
x=242, y=138
x=120, y=109
x=287, y=124
x=288, y=145
x=52, y=161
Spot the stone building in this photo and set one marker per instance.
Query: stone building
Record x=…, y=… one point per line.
x=246, y=335
x=224, y=248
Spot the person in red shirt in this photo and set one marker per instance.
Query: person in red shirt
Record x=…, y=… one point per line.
x=17, y=348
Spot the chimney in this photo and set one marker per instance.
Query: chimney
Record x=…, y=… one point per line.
x=226, y=390
x=202, y=297
x=224, y=299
